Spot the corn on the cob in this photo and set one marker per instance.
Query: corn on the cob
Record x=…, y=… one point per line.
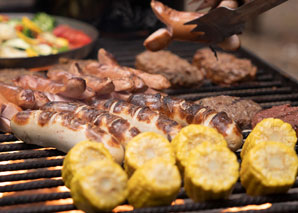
x=189, y=137
x=144, y=147
x=269, y=167
x=211, y=172
x=80, y=156
x=270, y=129
x=156, y=183
x=100, y=186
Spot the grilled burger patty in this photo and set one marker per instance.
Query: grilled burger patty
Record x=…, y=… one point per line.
x=177, y=70
x=284, y=112
x=226, y=70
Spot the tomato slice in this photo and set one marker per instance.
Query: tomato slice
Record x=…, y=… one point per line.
x=75, y=37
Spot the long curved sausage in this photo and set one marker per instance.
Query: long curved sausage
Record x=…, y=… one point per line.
x=114, y=125
x=177, y=30
x=188, y=113
x=145, y=119
x=74, y=88
x=61, y=130
x=24, y=98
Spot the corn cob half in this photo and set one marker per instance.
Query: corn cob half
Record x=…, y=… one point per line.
x=156, y=183
x=270, y=167
x=211, y=172
x=80, y=156
x=100, y=186
x=270, y=129
x=189, y=137
x=144, y=147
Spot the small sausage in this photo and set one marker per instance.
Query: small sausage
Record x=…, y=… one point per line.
x=74, y=88
x=61, y=130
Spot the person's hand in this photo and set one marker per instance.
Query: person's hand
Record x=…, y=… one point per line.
x=176, y=30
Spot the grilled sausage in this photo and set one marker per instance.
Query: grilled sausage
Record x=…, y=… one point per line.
x=74, y=88
x=177, y=30
x=24, y=98
x=61, y=130
x=142, y=117
x=188, y=113
x=114, y=125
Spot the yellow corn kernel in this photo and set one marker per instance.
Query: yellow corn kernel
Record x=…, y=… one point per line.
x=99, y=186
x=189, y=137
x=31, y=53
x=268, y=168
x=30, y=24
x=80, y=156
x=144, y=147
x=270, y=129
x=156, y=183
x=61, y=42
x=211, y=172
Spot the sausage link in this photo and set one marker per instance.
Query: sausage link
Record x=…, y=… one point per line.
x=61, y=130
x=188, y=113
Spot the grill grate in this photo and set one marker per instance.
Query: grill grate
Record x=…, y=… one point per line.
x=30, y=176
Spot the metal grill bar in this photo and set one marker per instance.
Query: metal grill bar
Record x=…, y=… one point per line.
x=31, y=165
x=33, y=198
x=31, y=175
x=44, y=209
x=16, y=146
x=47, y=183
x=30, y=154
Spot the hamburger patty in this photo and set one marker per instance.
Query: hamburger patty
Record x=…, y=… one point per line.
x=284, y=112
x=240, y=110
x=177, y=70
x=226, y=70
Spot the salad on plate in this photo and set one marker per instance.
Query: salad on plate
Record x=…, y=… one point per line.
x=38, y=36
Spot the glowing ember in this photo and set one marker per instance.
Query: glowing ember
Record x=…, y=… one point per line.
x=178, y=202
x=249, y=207
x=123, y=208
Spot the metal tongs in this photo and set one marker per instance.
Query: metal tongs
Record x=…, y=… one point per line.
x=223, y=22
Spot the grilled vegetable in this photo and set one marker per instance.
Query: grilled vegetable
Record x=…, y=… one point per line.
x=189, y=137
x=156, y=183
x=144, y=147
x=211, y=172
x=100, y=186
x=80, y=156
x=269, y=167
x=270, y=129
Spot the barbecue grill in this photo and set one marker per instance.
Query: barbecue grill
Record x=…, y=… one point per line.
x=30, y=176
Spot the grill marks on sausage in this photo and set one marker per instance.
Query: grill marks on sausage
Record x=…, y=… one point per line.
x=115, y=125
x=96, y=134
x=156, y=122
x=44, y=118
x=22, y=118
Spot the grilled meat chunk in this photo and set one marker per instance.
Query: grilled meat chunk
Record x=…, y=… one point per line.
x=284, y=112
x=177, y=70
x=115, y=125
x=189, y=113
x=144, y=118
x=226, y=70
x=240, y=110
x=61, y=130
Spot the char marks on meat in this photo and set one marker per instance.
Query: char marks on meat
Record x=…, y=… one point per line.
x=240, y=110
x=114, y=125
x=189, y=113
x=177, y=70
x=141, y=117
x=226, y=70
x=284, y=112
